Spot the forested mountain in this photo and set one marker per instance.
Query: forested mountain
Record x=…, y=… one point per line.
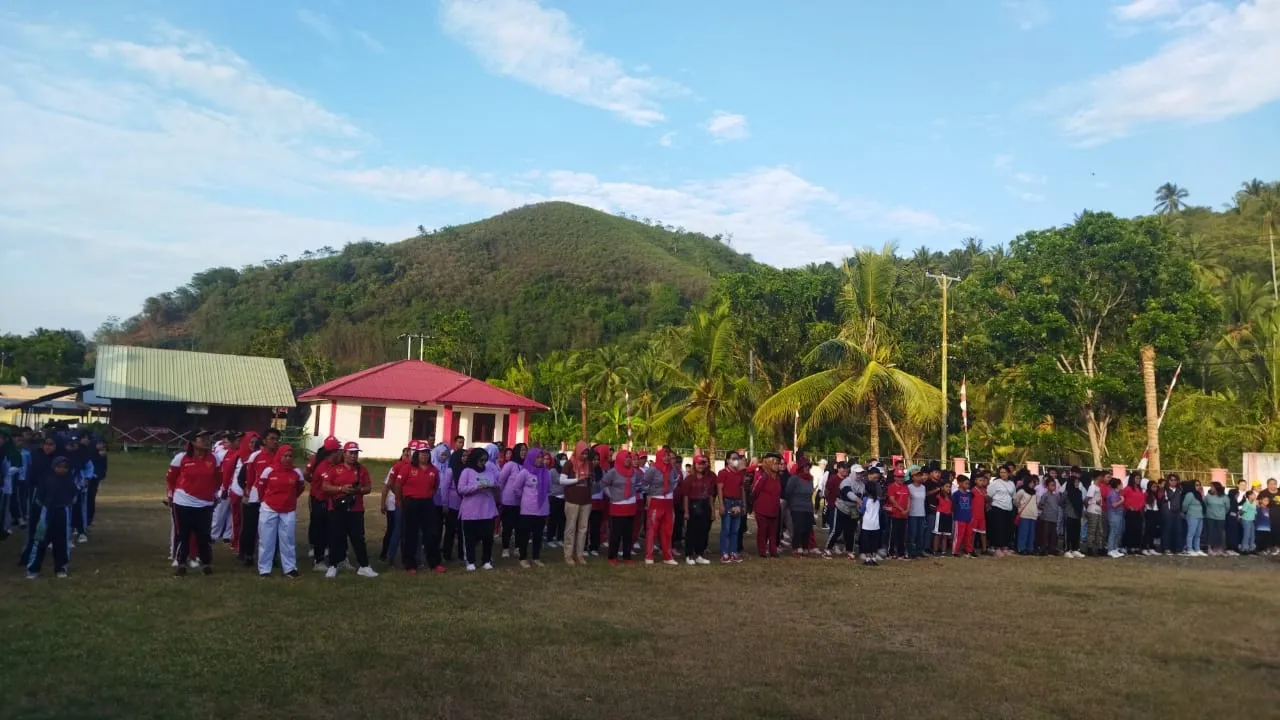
x=548, y=276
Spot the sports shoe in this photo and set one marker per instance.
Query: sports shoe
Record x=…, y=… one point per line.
x=439, y=570
x=1115, y=554
x=672, y=561
x=736, y=557
x=471, y=567
x=293, y=575
x=648, y=561
x=725, y=559
x=506, y=554
x=367, y=572
x=61, y=575
x=594, y=553
x=487, y=566
x=264, y=576
x=702, y=561
x=174, y=564
x=613, y=562
x=539, y=563
x=319, y=567
x=332, y=572
x=193, y=564
x=690, y=561
x=677, y=553
x=33, y=576
x=525, y=564
x=851, y=556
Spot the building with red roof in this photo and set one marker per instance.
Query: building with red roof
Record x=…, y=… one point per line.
x=385, y=407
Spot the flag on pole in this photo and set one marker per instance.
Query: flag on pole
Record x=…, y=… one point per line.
x=964, y=403
x=795, y=432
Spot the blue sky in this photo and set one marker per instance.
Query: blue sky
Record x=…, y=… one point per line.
x=143, y=141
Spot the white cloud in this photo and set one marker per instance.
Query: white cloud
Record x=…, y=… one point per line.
x=541, y=47
x=725, y=127
x=1140, y=10
x=668, y=139
x=1220, y=62
x=155, y=159
x=319, y=24
x=1020, y=182
x=1028, y=14
x=370, y=42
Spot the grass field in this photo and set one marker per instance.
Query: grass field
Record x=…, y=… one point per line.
x=1013, y=638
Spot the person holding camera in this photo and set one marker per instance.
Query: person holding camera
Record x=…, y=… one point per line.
x=345, y=485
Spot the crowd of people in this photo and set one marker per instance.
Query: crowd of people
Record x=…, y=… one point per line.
x=447, y=504
x=49, y=488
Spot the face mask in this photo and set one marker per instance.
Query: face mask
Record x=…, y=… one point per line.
x=735, y=463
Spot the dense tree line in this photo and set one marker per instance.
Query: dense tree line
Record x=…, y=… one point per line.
x=625, y=327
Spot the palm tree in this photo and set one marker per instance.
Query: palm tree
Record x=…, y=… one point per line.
x=707, y=375
x=858, y=368
x=1169, y=199
x=1250, y=190
x=602, y=374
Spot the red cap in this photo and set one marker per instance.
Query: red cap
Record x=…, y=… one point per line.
x=332, y=443
x=415, y=446
x=351, y=447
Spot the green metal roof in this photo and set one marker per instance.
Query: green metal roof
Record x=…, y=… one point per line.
x=136, y=373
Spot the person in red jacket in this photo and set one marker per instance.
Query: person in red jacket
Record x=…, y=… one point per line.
x=279, y=487
x=898, y=502
x=345, y=486
x=196, y=483
x=318, y=525
x=766, y=492
x=252, y=468
x=415, y=486
x=661, y=482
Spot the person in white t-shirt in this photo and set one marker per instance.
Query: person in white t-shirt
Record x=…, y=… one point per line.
x=1000, y=492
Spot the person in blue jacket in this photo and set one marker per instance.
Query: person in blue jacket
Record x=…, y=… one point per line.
x=55, y=492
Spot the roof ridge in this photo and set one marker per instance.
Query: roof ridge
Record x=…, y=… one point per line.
x=336, y=383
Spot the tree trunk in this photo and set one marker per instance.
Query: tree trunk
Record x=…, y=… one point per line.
x=1096, y=426
x=873, y=412
x=711, y=439
x=1153, y=412
x=584, y=414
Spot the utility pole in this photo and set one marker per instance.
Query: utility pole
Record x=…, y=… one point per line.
x=944, y=282
x=409, y=338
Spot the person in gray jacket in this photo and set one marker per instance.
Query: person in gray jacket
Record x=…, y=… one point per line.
x=1050, y=512
x=798, y=496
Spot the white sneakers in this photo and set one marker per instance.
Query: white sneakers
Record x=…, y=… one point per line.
x=703, y=561
x=525, y=564
x=471, y=567
x=487, y=566
x=1115, y=554
x=648, y=561
x=367, y=572
x=1073, y=554
x=690, y=561
x=193, y=564
x=332, y=572
x=82, y=539
x=670, y=562
x=506, y=554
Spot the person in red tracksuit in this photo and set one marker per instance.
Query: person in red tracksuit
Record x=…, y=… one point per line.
x=661, y=482
x=416, y=484
x=195, y=490
x=318, y=525
x=766, y=492
x=345, y=484
x=253, y=467
x=230, y=462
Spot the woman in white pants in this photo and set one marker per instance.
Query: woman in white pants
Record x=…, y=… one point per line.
x=279, y=486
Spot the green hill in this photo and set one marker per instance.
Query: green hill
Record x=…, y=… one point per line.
x=535, y=279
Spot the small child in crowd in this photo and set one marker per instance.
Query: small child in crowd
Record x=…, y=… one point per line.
x=942, y=523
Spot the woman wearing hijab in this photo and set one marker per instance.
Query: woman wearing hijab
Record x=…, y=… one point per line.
x=577, y=480
x=55, y=492
x=620, y=485
x=279, y=486
x=452, y=504
x=416, y=486
x=602, y=460
x=195, y=488
x=478, y=486
x=512, y=485
x=557, y=466
x=535, y=504
x=345, y=484
x=660, y=486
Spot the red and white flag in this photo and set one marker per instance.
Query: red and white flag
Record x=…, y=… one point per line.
x=964, y=403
